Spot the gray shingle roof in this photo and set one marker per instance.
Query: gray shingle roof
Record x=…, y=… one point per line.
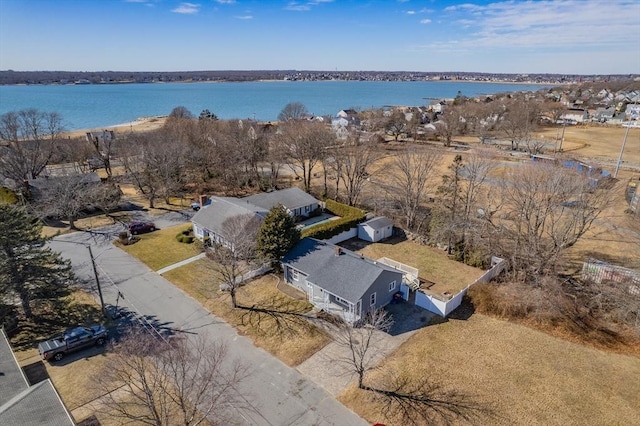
x=21, y=404
x=291, y=198
x=212, y=216
x=347, y=275
x=378, y=222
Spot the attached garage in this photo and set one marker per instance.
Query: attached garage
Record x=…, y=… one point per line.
x=375, y=229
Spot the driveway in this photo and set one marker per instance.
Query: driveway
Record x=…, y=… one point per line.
x=276, y=393
x=407, y=319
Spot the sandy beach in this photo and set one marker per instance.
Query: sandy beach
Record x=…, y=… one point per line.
x=141, y=124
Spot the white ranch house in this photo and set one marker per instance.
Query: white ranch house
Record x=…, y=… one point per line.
x=207, y=223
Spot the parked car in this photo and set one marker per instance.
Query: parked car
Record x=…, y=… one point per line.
x=141, y=227
x=72, y=340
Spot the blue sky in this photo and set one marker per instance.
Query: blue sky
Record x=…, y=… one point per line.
x=564, y=36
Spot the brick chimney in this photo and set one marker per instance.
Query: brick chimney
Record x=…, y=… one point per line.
x=203, y=199
x=338, y=251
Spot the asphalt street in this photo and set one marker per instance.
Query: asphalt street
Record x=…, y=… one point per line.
x=275, y=394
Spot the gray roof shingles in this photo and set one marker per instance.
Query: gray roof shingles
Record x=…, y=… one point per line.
x=212, y=216
x=291, y=198
x=347, y=275
x=21, y=404
x=378, y=222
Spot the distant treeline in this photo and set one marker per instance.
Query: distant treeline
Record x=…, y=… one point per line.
x=118, y=77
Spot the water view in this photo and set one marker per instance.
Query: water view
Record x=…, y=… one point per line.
x=91, y=106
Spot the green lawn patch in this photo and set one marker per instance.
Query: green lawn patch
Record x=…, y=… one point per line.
x=160, y=248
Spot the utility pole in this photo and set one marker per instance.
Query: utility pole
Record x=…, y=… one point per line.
x=564, y=125
x=624, y=142
x=95, y=274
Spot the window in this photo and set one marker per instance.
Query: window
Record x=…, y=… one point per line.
x=372, y=299
x=307, y=209
x=341, y=301
x=392, y=285
x=294, y=275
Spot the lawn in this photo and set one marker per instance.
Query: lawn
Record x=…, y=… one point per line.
x=160, y=248
x=524, y=376
x=283, y=331
x=433, y=265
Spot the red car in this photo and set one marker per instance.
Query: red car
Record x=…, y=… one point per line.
x=141, y=227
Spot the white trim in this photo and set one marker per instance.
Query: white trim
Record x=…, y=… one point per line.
x=373, y=299
x=392, y=285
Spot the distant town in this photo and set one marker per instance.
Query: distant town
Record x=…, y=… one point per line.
x=10, y=77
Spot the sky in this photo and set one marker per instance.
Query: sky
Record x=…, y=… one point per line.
x=560, y=37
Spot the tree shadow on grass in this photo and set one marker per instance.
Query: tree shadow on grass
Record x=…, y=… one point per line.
x=52, y=320
x=278, y=315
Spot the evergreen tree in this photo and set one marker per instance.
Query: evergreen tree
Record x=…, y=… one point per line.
x=278, y=234
x=28, y=269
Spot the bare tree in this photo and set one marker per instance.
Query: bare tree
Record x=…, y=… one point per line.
x=546, y=210
x=235, y=252
x=519, y=121
x=303, y=143
x=156, y=382
x=68, y=196
x=352, y=164
x=404, y=397
x=360, y=344
x=396, y=124
x=293, y=111
x=30, y=137
x=410, y=176
x=449, y=123
x=156, y=163
x=103, y=144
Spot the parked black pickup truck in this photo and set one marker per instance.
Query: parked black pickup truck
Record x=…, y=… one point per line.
x=72, y=340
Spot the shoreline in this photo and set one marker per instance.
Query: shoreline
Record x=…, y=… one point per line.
x=140, y=124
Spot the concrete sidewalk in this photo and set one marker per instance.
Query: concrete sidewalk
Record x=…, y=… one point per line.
x=181, y=263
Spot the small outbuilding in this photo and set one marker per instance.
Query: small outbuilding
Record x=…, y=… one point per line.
x=375, y=229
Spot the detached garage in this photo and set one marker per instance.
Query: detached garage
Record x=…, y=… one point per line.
x=375, y=229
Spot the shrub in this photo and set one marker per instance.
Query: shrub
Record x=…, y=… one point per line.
x=186, y=236
x=349, y=217
x=7, y=196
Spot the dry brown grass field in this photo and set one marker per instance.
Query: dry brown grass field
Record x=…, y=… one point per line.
x=524, y=376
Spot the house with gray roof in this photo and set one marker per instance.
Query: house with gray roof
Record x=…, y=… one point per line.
x=209, y=219
x=338, y=280
x=297, y=202
x=23, y=404
x=208, y=222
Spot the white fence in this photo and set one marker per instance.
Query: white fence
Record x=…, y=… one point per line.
x=598, y=271
x=266, y=267
x=444, y=305
x=343, y=236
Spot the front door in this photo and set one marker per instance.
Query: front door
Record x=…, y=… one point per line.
x=310, y=291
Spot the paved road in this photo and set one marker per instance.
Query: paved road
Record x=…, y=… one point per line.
x=278, y=394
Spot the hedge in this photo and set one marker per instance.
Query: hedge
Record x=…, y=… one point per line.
x=349, y=217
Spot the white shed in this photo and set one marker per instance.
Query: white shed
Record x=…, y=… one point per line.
x=375, y=229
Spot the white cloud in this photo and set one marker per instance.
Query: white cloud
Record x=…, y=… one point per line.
x=550, y=24
x=187, y=9
x=226, y=1
x=425, y=21
x=303, y=7
x=411, y=12
x=244, y=17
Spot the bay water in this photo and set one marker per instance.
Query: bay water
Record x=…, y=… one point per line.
x=94, y=106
